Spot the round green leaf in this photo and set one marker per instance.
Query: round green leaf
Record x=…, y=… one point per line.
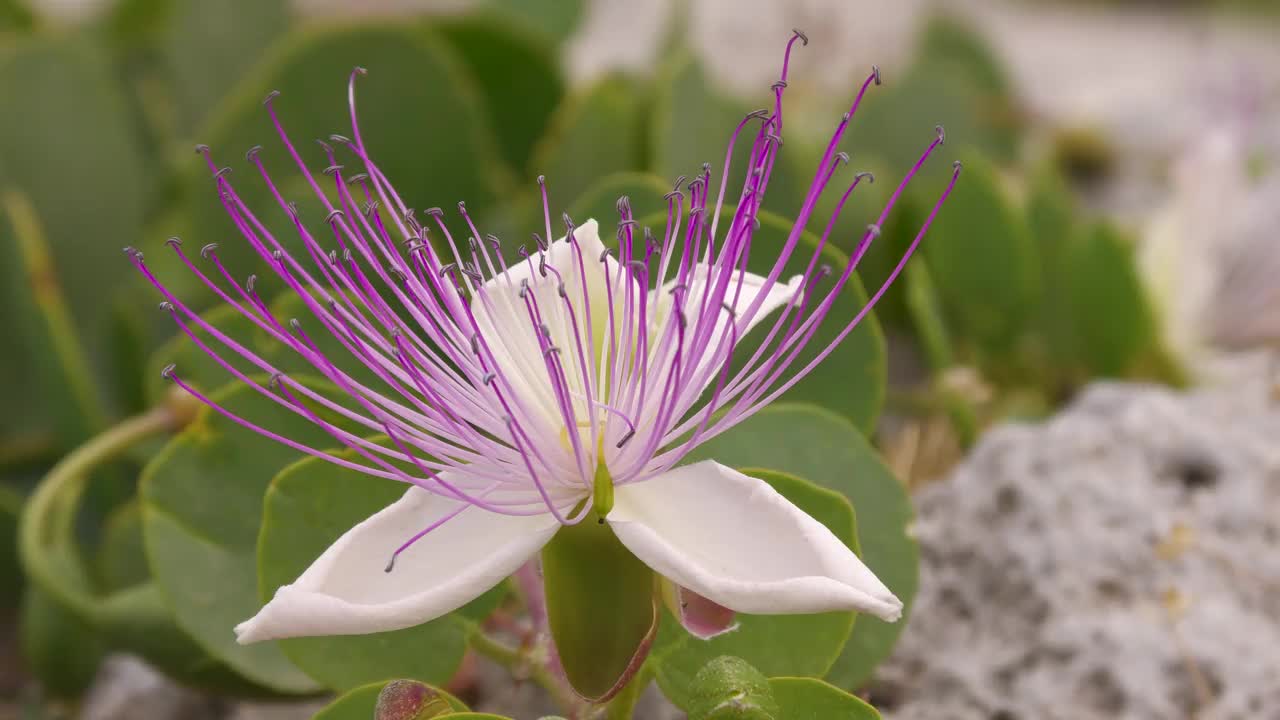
x=309, y=505
x=59, y=647
x=1116, y=325
x=72, y=151
x=824, y=448
x=800, y=644
x=595, y=133
x=419, y=118
x=359, y=703
x=728, y=688
x=10, y=572
x=516, y=72
x=553, y=19
x=978, y=236
x=202, y=509
x=802, y=698
x=851, y=381
x=122, y=560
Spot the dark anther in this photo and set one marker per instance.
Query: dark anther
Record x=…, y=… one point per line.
x=550, y=349
x=462, y=207
x=346, y=254
x=166, y=306
x=251, y=283
x=568, y=223
x=673, y=195
x=391, y=564
x=775, y=138
x=473, y=242
x=706, y=168
x=679, y=181
x=524, y=288
x=678, y=287
x=295, y=324
x=332, y=170
x=560, y=289
x=208, y=249
x=865, y=174
x=494, y=242
x=823, y=271
x=475, y=343
x=398, y=274
x=800, y=34
x=542, y=179
x=638, y=264
x=437, y=212
x=733, y=314
x=174, y=242
x=369, y=207
x=167, y=371
x=414, y=245
x=222, y=171
x=252, y=152
x=605, y=253
x=276, y=379
x=271, y=96
x=957, y=165
x=537, y=240
x=542, y=264
x=875, y=72
x=779, y=85
x=873, y=230
x=130, y=250
x=202, y=148
x=488, y=377
x=761, y=113
x=755, y=222
x=843, y=157
x=293, y=209
x=333, y=215
x=681, y=320
x=472, y=272
x=942, y=134
x=696, y=212
x=340, y=139
x=545, y=330
x=627, y=223
x=333, y=304
x=447, y=268
x=625, y=438
x=333, y=257
x=278, y=256
x=360, y=70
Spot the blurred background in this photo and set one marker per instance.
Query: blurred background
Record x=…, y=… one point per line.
x=1116, y=221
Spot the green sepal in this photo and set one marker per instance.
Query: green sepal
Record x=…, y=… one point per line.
x=601, y=606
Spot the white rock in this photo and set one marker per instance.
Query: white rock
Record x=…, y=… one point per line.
x=1121, y=560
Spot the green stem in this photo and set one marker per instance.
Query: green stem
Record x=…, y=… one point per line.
x=522, y=662
x=48, y=517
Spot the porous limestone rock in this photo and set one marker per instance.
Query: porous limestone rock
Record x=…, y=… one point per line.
x=1120, y=560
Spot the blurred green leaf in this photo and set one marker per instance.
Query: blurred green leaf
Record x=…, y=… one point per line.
x=825, y=448
x=202, y=509
x=517, y=74
x=58, y=647
x=359, y=703
x=1115, y=325
x=15, y=16
x=434, y=157
x=983, y=262
x=121, y=560
x=195, y=366
x=728, y=688
x=645, y=193
x=209, y=47
x=1051, y=221
x=11, y=581
x=927, y=315
x=808, y=699
x=554, y=19
x=45, y=371
x=71, y=151
x=309, y=505
x=799, y=644
x=851, y=380
x=595, y=133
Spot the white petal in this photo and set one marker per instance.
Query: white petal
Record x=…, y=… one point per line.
x=347, y=591
x=736, y=541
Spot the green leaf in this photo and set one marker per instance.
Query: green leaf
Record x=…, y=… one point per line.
x=728, y=688
x=979, y=235
x=121, y=558
x=1051, y=221
x=517, y=74
x=433, y=157
x=595, y=133
x=851, y=381
x=825, y=449
x=808, y=699
x=193, y=364
x=601, y=607
x=360, y=703
x=11, y=581
x=202, y=509
x=1116, y=326
x=553, y=19
x=644, y=191
x=801, y=644
x=72, y=152
x=45, y=370
x=309, y=505
x=58, y=647
x=209, y=47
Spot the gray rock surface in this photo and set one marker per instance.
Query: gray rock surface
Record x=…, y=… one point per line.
x=1121, y=560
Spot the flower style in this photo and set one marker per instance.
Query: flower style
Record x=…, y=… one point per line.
x=556, y=394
